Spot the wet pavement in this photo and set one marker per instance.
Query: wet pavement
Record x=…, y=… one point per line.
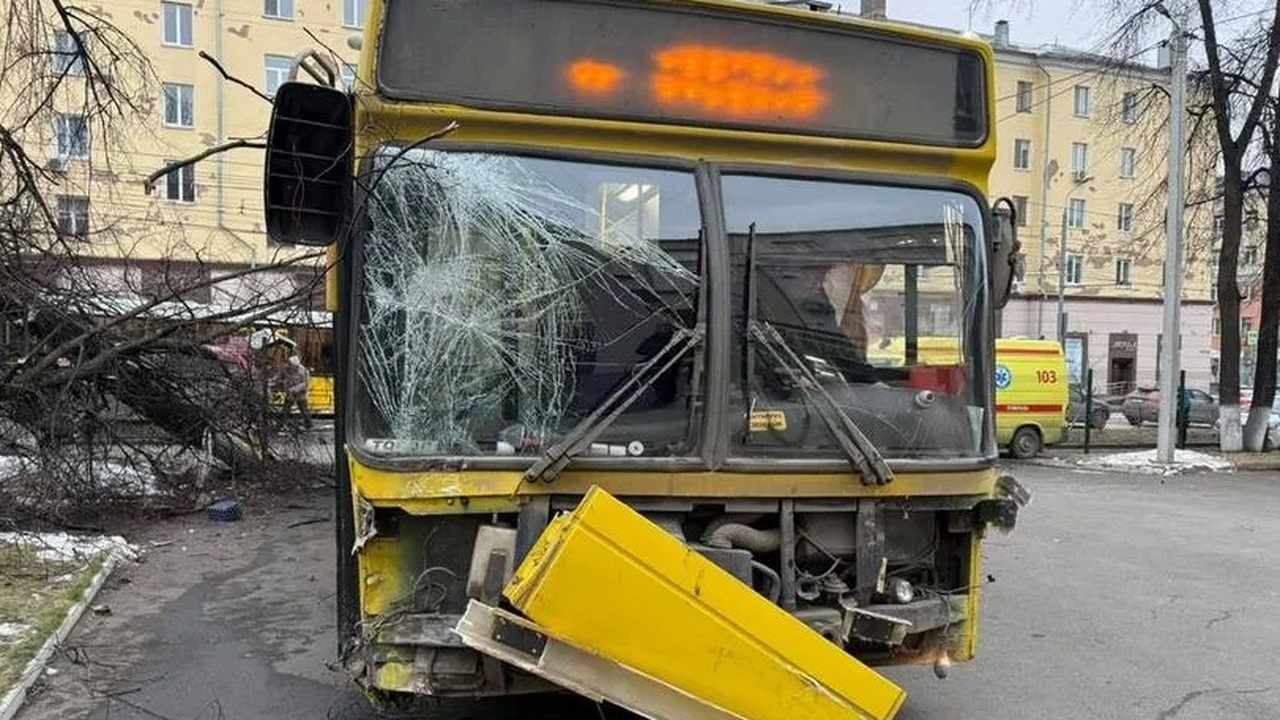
x=1118, y=596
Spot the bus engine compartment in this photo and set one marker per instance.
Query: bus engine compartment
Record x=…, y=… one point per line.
x=880, y=580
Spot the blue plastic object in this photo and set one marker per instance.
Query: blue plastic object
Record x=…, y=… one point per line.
x=225, y=511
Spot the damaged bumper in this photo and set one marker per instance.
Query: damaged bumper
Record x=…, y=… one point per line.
x=615, y=606
x=604, y=583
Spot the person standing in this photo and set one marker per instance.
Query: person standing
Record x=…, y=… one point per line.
x=296, y=379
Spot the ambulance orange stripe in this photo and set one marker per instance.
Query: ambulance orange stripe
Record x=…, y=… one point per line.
x=1029, y=408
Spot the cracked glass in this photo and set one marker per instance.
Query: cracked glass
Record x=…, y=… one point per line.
x=503, y=298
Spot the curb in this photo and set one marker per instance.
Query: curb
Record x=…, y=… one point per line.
x=12, y=700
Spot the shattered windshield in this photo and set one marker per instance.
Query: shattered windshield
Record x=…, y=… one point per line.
x=876, y=289
x=504, y=298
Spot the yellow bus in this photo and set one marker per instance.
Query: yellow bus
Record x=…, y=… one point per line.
x=605, y=272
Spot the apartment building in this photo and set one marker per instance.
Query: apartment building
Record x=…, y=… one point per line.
x=203, y=221
x=1083, y=155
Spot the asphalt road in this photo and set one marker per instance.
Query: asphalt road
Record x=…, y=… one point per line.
x=1116, y=597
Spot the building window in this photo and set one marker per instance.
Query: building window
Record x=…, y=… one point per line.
x=1075, y=213
x=278, y=9
x=1020, y=207
x=1123, y=276
x=1217, y=326
x=1124, y=217
x=1024, y=96
x=1022, y=154
x=1075, y=269
x=1079, y=159
x=349, y=77
x=180, y=184
x=353, y=13
x=179, y=105
x=1128, y=162
x=278, y=67
x=1129, y=108
x=1083, y=102
x=73, y=217
x=177, y=20
x=72, y=133
x=67, y=58
x=1250, y=255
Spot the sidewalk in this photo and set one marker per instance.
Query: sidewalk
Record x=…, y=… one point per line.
x=1241, y=461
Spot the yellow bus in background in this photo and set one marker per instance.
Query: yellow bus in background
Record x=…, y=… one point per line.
x=604, y=276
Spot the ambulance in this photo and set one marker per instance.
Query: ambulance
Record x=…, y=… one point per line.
x=1031, y=382
x=1031, y=395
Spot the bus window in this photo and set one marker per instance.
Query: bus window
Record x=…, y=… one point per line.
x=505, y=298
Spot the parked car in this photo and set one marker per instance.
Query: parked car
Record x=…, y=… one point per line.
x=1098, y=415
x=1143, y=406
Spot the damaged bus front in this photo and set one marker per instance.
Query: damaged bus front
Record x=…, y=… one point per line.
x=610, y=405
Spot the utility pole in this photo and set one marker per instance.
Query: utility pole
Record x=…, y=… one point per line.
x=1062, y=262
x=1062, y=276
x=1171, y=347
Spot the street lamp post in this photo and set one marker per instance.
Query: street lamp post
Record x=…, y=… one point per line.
x=1062, y=262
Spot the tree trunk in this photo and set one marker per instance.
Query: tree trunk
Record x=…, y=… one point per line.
x=1230, y=438
x=1264, y=378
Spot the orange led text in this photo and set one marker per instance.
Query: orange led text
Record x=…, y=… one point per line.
x=737, y=84
x=595, y=78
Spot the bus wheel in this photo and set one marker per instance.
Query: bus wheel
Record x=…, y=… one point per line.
x=1025, y=443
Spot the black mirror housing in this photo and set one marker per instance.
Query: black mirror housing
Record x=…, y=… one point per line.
x=1007, y=261
x=308, y=179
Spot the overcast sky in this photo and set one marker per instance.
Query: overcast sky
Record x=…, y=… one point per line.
x=1078, y=24
x=1030, y=23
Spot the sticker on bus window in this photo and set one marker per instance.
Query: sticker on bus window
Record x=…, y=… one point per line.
x=768, y=420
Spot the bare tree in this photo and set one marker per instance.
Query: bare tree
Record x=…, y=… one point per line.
x=1264, y=383
x=1239, y=79
x=1237, y=71
x=111, y=366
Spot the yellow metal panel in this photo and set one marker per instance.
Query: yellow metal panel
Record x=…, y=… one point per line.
x=607, y=580
x=380, y=486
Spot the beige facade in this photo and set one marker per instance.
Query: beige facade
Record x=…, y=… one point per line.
x=1081, y=140
x=207, y=216
x=1083, y=147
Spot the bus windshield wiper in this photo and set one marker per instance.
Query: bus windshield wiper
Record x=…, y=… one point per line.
x=579, y=439
x=862, y=453
x=856, y=446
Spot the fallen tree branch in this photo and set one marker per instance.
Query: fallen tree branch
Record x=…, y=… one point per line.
x=149, y=183
x=228, y=76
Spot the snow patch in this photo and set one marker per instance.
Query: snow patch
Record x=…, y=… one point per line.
x=12, y=632
x=65, y=547
x=1144, y=461
x=12, y=466
x=115, y=478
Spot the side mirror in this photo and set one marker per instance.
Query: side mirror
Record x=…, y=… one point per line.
x=1007, y=260
x=308, y=175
